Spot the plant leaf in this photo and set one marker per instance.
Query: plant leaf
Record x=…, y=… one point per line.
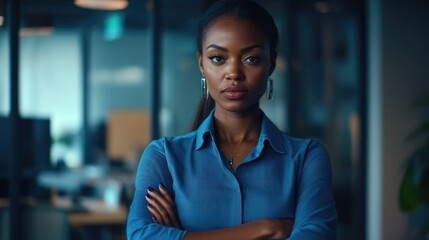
x=409, y=198
x=422, y=129
x=424, y=186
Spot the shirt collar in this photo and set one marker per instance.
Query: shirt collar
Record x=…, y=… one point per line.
x=205, y=128
x=269, y=133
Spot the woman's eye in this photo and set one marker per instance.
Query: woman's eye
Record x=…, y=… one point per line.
x=252, y=59
x=216, y=59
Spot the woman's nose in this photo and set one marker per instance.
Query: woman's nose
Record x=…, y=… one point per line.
x=234, y=71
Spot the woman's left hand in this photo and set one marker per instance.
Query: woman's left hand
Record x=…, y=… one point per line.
x=162, y=207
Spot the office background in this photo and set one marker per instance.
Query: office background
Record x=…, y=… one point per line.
x=94, y=86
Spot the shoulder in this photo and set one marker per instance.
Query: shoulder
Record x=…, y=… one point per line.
x=305, y=150
x=161, y=145
x=158, y=154
x=296, y=144
x=180, y=141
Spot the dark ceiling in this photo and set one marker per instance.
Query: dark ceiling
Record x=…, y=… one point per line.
x=63, y=13
x=176, y=14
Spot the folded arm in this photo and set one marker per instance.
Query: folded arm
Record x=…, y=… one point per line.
x=163, y=209
x=153, y=213
x=315, y=216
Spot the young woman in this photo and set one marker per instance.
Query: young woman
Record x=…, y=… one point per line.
x=236, y=176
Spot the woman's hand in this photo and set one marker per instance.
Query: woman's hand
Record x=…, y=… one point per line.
x=162, y=207
x=278, y=228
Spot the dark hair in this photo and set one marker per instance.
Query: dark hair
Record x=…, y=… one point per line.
x=240, y=9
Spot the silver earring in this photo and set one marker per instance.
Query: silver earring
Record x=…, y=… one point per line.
x=204, y=88
x=269, y=91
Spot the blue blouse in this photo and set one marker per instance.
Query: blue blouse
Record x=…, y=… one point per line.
x=282, y=177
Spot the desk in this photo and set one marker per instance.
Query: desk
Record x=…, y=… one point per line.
x=119, y=216
x=94, y=219
x=56, y=221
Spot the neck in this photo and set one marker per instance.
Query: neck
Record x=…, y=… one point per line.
x=238, y=128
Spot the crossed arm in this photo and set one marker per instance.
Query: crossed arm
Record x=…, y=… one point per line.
x=315, y=211
x=163, y=210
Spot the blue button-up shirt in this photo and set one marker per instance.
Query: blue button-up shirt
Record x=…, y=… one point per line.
x=282, y=177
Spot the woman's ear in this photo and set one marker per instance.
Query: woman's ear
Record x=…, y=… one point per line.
x=273, y=62
x=200, y=62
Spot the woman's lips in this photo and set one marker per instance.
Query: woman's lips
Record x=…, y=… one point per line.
x=234, y=93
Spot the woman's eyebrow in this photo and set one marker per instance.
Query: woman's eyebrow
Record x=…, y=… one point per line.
x=217, y=47
x=246, y=49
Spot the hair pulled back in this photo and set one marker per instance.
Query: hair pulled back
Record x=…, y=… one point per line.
x=240, y=9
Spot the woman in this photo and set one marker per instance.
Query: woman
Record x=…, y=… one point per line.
x=237, y=176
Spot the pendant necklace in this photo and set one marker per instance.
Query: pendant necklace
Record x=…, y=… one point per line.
x=230, y=158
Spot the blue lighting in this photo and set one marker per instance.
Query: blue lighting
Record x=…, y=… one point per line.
x=113, y=27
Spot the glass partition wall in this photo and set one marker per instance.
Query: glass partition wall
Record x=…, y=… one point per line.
x=90, y=74
x=327, y=97
x=83, y=74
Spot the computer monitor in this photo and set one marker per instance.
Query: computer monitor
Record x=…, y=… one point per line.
x=33, y=145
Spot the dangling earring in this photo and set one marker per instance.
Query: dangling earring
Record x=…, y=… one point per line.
x=204, y=88
x=269, y=91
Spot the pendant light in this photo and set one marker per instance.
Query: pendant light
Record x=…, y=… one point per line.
x=102, y=4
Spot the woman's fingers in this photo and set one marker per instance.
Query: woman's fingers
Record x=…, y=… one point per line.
x=174, y=217
x=160, y=214
x=162, y=207
x=165, y=194
x=162, y=201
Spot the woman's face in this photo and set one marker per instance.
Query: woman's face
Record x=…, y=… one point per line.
x=236, y=62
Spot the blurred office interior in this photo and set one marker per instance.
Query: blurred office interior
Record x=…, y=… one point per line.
x=84, y=88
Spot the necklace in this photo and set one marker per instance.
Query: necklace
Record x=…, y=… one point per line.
x=231, y=157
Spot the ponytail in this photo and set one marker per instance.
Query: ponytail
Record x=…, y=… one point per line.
x=203, y=110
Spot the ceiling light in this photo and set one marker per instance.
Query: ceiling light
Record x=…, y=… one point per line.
x=31, y=31
x=36, y=25
x=102, y=4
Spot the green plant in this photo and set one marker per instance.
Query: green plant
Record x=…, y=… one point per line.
x=414, y=190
